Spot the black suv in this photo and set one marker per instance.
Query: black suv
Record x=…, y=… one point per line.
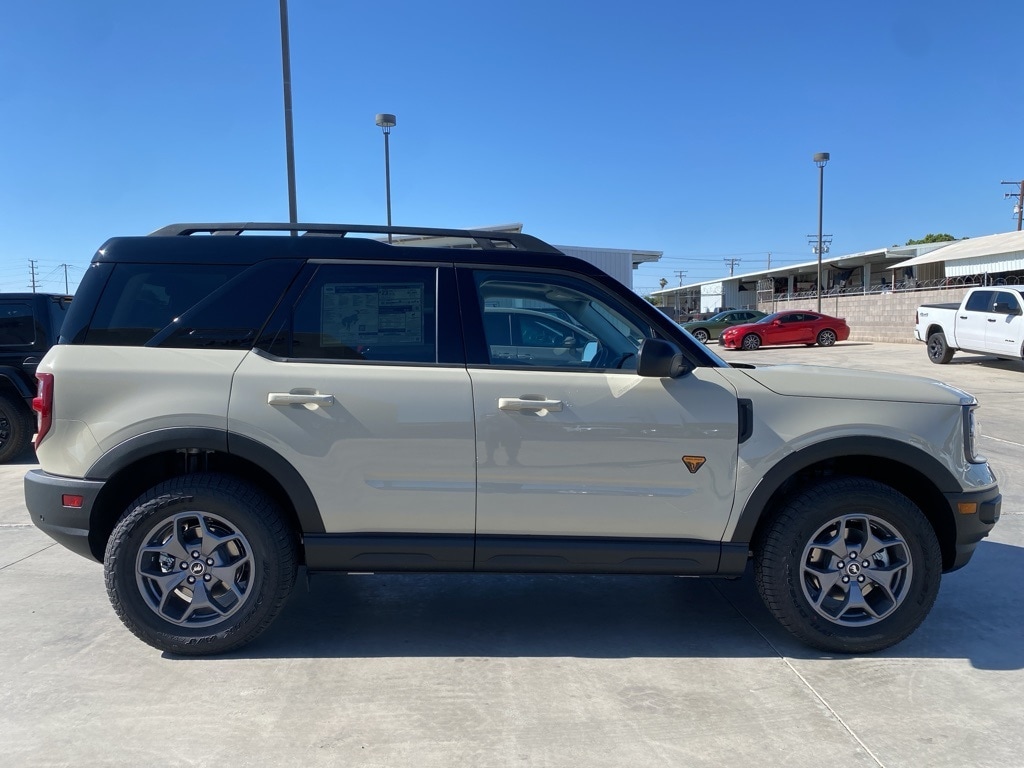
x=29, y=325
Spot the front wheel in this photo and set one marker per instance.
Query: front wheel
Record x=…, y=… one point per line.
x=751, y=342
x=849, y=566
x=938, y=350
x=200, y=564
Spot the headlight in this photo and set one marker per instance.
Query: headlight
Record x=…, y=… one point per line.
x=972, y=435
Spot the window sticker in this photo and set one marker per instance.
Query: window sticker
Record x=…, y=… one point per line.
x=368, y=313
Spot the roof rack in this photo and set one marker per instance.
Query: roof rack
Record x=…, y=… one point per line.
x=421, y=236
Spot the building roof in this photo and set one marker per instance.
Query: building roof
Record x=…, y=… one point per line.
x=847, y=261
x=991, y=253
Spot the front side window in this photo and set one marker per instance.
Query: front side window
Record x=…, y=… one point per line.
x=555, y=322
x=379, y=313
x=1005, y=303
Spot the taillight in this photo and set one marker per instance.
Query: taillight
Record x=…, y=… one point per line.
x=42, y=404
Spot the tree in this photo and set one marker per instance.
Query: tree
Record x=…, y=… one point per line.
x=942, y=238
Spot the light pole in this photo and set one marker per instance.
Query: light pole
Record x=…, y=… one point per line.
x=289, y=142
x=819, y=160
x=386, y=123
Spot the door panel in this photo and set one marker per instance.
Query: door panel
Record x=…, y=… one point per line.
x=971, y=323
x=1004, y=332
x=390, y=451
x=602, y=454
x=359, y=382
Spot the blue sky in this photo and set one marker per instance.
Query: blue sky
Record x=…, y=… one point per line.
x=683, y=127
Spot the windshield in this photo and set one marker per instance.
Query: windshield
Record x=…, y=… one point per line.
x=769, y=318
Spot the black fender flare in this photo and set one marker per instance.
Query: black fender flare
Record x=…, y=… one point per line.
x=211, y=439
x=877, y=447
x=16, y=377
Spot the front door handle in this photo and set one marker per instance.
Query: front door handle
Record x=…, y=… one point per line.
x=299, y=398
x=528, y=403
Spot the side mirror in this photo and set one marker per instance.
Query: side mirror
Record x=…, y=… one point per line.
x=589, y=351
x=660, y=359
x=776, y=322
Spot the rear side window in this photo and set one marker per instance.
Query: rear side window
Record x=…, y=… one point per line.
x=979, y=301
x=379, y=313
x=17, y=324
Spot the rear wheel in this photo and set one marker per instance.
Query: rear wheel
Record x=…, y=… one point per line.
x=827, y=338
x=16, y=428
x=849, y=566
x=200, y=564
x=701, y=335
x=751, y=341
x=938, y=350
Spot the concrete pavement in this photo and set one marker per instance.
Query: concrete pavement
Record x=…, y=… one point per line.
x=528, y=671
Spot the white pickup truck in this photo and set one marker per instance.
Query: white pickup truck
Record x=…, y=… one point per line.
x=989, y=320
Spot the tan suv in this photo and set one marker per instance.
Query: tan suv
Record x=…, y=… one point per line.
x=221, y=411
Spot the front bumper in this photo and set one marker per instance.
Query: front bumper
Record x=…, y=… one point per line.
x=972, y=527
x=67, y=525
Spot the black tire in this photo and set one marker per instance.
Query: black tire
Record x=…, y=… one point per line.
x=837, y=603
x=751, y=342
x=826, y=337
x=701, y=335
x=938, y=350
x=206, y=531
x=16, y=428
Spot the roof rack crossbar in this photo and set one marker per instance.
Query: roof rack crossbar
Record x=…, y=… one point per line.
x=484, y=239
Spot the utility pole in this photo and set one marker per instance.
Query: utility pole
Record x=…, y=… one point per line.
x=680, y=273
x=732, y=264
x=1020, y=200
x=32, y=273
x=769, y=259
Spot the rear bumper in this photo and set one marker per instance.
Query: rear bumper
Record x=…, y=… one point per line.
x=69, y=526
x=973, y=527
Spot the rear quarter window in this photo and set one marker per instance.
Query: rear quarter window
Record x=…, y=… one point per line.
x=141, y=299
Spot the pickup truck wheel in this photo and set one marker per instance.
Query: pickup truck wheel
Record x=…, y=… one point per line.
x=751, y=342
x=200, y=564
x=849, y=566
x=701, y=335
x=827, y=338
x=16, y=428
x=938, y=350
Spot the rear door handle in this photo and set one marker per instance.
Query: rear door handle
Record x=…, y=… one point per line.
x=528, y=403
x=299, y=398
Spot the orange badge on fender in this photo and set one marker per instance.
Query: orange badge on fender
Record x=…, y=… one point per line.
x=693, y=463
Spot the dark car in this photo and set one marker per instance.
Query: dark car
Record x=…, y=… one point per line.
x=712, y=327
x=797, y=327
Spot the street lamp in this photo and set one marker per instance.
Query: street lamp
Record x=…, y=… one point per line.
x=819, y=160
x=386, y=123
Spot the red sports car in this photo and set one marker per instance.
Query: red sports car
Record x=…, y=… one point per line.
x=797, y=327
